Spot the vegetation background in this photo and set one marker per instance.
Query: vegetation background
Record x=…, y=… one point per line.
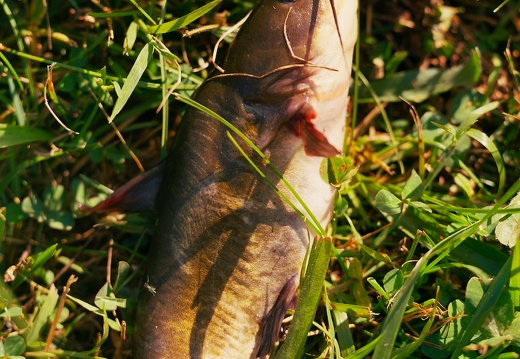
x=431, y=170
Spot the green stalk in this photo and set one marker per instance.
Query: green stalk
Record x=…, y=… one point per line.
x=311, y=287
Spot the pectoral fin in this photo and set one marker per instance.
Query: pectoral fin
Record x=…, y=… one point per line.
x=138, y=195
x=314, y=141
x=272, y=322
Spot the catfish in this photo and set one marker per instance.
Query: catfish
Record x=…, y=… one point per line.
x=226, y=258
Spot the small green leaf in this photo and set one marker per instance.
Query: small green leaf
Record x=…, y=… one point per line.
x=421, y=206
x=140, y=65
x=123, y=272
x=453, y=330
x=102, y=293
x=412, y=187
x=11, y=312
x=463, y=105
x=508, y=230
x=373, y=282
x=131, y=35
x=514, y=330
x=114, y=325
x=61, y=220
x=85, y=305
x=41, y=258
x=117, y=88
x=345, y=340
x=107, y=301
x=393, y=281
x=470, y=115
x=446, y=127
x=33, y=207
x=474, y=293
x=393, y=62
x=387, y=203
x=358, y=310
x=75, y=266
x=488, y=143
x=380, y=257
x=54, y=197
x=430, y=131
x=110, y=302
x=14, y=346
x=465, y=184
x=337, y=170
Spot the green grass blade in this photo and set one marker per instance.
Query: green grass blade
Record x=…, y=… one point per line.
x=310, y=293
x=142, y=11
x=492, y=148
x=183, y=20
x=514, y=281
x=363, y=352
x=392, y=323
x=18, y=135
x=17, y=102
x=46, y=310
x=12, y=71
x=409, y=349
x=345, y=340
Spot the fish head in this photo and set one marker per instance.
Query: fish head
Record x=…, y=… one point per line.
x=300, y=53
x=285, y=32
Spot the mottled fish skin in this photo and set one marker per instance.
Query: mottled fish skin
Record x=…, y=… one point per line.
x=227, y=247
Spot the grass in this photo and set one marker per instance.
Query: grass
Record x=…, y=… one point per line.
x=423, y=262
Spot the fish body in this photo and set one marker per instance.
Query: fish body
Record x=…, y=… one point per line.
x=227, y=253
